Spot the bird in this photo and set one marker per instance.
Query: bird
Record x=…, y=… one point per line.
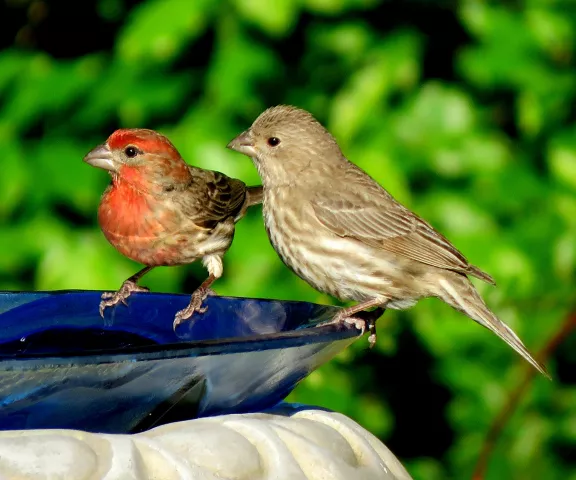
x=339, y=230
x=160, y=211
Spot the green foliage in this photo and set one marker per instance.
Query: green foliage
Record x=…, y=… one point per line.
x=476, y=134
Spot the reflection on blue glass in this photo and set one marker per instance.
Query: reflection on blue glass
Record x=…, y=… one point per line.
x=63, y=366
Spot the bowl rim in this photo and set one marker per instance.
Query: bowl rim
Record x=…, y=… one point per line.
x=305, y=335
x=224, y=346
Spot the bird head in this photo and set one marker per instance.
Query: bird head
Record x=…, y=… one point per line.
x=141, y=157
x=287, y=143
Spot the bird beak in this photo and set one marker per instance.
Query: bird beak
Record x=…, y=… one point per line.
x=101, y=157
x=243, y=143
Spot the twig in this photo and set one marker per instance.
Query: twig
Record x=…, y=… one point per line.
x=500, y=421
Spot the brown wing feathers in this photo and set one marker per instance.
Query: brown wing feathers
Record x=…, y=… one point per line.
x=389, y=226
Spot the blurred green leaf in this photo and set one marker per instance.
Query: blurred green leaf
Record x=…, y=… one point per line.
x=333, y=7
x=562, y=158
x=390, y=66
x=159, y=30
x=14, y=180
x=45, y=88
x=275, y=19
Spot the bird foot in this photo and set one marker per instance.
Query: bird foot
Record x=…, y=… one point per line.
x=109, y=299
x=195, y=305
x=342, y=317
x=361, y=324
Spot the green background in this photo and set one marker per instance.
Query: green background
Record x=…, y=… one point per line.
x=465, y=114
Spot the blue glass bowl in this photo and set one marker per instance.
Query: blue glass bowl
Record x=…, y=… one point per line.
x=63, y=366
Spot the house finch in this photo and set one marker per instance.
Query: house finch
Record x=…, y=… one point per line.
x=159, y=210
x=340, y=231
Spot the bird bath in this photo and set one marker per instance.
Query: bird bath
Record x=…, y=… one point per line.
x=63, y=366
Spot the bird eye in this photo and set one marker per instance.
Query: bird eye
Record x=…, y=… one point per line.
x=273, y=141
x=131, y=152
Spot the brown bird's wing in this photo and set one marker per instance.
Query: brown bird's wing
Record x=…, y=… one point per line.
x=211, y=197
x=376, y=219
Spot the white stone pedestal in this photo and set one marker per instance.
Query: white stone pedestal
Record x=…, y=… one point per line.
x=285, y=443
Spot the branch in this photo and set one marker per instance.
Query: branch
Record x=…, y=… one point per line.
x=502, y=418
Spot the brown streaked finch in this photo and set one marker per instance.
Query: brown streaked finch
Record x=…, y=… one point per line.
x=340, y=231
x=160, y=211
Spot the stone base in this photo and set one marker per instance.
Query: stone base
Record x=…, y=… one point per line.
x=286, y=443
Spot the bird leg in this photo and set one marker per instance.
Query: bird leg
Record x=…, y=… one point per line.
x=349, y=315
x=195, y=304
x=109, y=299
x=371, y=318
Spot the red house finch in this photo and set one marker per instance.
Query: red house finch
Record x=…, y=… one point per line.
x=339, y=230
x=159, y=210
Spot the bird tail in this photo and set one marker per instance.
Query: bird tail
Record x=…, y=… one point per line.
x=481, y=274
x=460, y=294
x=254, y=195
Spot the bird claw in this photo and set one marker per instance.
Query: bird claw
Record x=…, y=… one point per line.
x=110, y=299
x=341, y=317
x=360, y=324
x=372, y=336
x=194, y=306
